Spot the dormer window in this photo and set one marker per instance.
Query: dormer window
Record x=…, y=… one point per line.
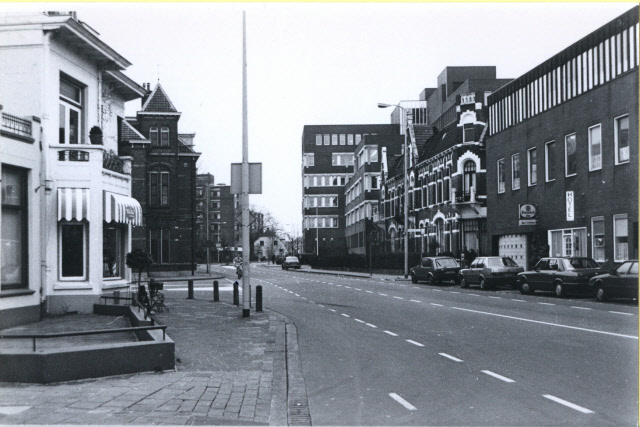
x=164, y=137
x=153, y=136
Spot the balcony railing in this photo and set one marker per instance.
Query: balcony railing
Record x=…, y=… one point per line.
x=73, y=156
x=16, y=124
x=112, y=162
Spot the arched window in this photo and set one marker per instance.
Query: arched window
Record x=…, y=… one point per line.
x=469, y=179
x=153, y=136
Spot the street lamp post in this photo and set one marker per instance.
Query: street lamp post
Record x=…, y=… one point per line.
x=406, y=188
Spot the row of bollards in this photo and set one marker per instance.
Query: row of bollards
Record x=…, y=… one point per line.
x=236, y=294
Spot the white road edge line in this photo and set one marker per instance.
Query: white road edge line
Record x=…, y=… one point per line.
x=548, y=323
x=390, y=333
x=500, y=377
x=403, y=402
x=415, y=343
x=448, y=356
x=568, y=404
x=621, y=312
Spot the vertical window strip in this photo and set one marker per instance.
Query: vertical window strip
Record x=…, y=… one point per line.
x=601, y=62
x=636, y=38
x=585, y=71
x=618, y=54
x=590, y=69
x=607, y=60
x=625, y=50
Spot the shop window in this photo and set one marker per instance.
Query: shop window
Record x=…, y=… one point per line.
x=621, y=236
x=113, y=250
x=73, y=250
x=14, y=228
x=622, y=139
x=568, y=242
x=70, y=112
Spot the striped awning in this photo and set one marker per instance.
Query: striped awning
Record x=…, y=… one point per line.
x=123, y=209
x=73, y=203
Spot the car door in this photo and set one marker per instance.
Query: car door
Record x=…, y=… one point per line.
x=534, y=276
x=479, y=267
x=469, y=272
x=616, y=283
x=631, y=281
x=549, y=274
x=422, y=269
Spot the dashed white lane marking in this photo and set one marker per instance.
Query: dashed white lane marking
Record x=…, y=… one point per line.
x=297, y=295
x=546, y=303
x=357, y=289
x=568, y=404
x=518, y=300
x=339, y=285
x=13, y=410
x=454, y=292
x=345, y=315
x=473, y=295
x=621, y=312
x=320, y=305
x=547, y=323
x=331, y=309
x=398, y=298
x=415, y=300
x=370, y=325
x=369, y=292
x=437, y=290
x=500, y=377
x=448, y=356
x=403, y=402
x=496, y=297
x=290, y=292
x=416, y=287
x=348, y=287
x=391, y=333
x=437, y=305
x=358, y=320
x=415, y=343
x=580, y=308
x=384, y=295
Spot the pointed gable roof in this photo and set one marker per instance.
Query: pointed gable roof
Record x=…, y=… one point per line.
x=159, y=102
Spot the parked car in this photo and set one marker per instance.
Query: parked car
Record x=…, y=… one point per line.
x=560, y=275
x=290, y=262
x=435, y=270
x=621, y=282
x=279, y=259
x=490, y=272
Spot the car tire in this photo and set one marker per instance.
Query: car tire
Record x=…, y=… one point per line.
x=525, y=287
x=414, y=279
x=559, y=289
x=283, y=267
x=464, y=283
x=432, y=280
x=601, y=294
x=483, y=284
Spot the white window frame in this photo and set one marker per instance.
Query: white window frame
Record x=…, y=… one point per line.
x=616, y=257
x=529, y=167
x=164, y=131
x=513, y=178
x=85, y=248
x=504, y=184
x=593, y=239
x=566, y=156
x=615, y=137
x=546, y=161
x=318, y=139
x=591, y=166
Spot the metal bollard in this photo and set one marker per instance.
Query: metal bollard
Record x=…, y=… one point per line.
x=190, y=290
x=259, y=298
x=116, y=297
x=236, y=294
x=216, y=291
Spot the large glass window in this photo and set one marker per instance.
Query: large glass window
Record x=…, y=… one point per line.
x=570, y=163
x=159, y=188
x=595, y=148
x=569, y=242
x=469, y=179
x=621, y=130
x=112, y=249
x=73, y=247
x=70, y=111
x=515, y=172
x=533, y=166
x=550, y=161
x=621, y=236
x=501, y=176
x=14, y=228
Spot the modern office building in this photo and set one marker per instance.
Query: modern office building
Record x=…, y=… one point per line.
x=562, y=152
x=327, y=164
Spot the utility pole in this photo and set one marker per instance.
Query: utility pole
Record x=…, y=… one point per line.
x=207, y=223
x=246, y=276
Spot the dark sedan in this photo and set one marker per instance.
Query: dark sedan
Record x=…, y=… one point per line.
x=621, y=282
x=435, y=270
x=290, y=262
x=560, y=275
x=490, y=272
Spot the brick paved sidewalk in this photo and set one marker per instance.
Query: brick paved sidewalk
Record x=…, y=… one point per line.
x=229, y=370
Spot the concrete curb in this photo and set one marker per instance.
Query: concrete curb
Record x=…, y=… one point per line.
x=342, y=273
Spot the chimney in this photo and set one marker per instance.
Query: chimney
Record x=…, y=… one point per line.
x=146, y=86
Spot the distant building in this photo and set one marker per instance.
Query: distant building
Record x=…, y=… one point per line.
x=164, y=173
x=562, y=152
x=67, y=211
x=327, y=164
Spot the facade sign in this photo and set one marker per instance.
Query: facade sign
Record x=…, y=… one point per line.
x=527, y=215
x=528, y=222
x=570, y=209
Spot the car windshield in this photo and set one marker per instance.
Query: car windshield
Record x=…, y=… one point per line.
x=581, y=263
x=291, y=259
x=501, y=262
x=446, y=262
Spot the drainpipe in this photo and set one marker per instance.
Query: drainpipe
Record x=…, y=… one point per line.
x=46, y=185
x=99, y=97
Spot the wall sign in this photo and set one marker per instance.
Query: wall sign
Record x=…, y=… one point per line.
x=570, y=207
x=527, y=215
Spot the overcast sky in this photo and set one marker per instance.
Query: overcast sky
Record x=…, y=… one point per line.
x=311, y=63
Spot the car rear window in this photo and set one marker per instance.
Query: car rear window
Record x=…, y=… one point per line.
x=291, y=259
x=634, y=268
x=446, y=262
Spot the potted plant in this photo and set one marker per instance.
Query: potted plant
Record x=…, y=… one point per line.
x=95, y=135
x=138, y=260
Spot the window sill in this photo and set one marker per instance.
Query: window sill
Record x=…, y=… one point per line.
x=622, y=163
x=16, y=293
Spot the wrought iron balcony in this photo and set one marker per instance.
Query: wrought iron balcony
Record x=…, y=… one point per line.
x=73, y=156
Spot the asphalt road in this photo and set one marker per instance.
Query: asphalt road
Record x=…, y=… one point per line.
x=380, y=352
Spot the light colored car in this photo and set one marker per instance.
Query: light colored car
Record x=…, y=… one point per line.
x=290, y=262
x=490, y=272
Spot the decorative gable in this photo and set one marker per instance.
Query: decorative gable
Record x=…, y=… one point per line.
x=158, y=102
